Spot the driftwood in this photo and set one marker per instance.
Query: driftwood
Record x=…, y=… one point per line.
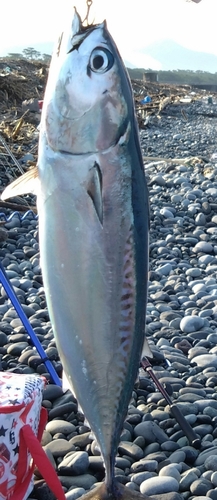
x=16, y=206
x=23, y=80
x=190, y=159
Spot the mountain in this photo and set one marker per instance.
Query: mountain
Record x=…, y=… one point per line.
x=174, y=56
x=168, y=54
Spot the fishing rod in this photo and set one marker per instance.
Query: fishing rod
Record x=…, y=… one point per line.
x=17, y=214
x=184, y=424
x=14, y=300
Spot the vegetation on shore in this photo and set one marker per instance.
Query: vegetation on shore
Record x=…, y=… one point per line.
x=179, y=77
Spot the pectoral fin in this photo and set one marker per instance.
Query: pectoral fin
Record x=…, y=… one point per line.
x=94, y=189
x=27, y=183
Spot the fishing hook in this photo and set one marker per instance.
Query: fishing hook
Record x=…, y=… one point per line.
x=89, y=3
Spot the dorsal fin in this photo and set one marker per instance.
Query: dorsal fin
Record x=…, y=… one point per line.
x=94, y=189
x=27, y=183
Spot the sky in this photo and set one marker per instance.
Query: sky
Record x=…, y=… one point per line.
x=134, y=24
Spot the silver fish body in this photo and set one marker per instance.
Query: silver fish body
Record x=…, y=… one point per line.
x=93, y=227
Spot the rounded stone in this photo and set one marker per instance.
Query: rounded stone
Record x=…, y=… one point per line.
x=164, y=270
x=159, y=485
x=59, y=447
x=74, y=493
x=139, y=477
x=202, y=457
x=211, y=463
x=61, y=426
x=130, y=449
x=190, y=324
x=144, y=465
x=75, y=463
x=205, y=360
x=85, y=481
x=172, y=470
x=203, y=246
x=200, y=486
x=151, y=432
x=214, y=479
x=186, y=480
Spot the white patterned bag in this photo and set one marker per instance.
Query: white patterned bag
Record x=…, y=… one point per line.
x=22, y=421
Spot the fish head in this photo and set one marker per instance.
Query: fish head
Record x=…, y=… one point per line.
x=86, y=107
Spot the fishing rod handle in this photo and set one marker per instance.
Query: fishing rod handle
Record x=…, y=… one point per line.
x=185, y=426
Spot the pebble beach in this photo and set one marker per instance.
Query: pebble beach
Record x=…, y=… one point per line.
x=154, y=457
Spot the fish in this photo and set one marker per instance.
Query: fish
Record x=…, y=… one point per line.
x=93, y=207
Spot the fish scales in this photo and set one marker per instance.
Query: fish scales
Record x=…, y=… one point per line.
x=93, y=228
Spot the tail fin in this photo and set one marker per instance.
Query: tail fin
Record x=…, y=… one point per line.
x=120, y=492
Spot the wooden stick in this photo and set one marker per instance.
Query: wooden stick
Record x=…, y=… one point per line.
x=172, y=160
x=16, y=206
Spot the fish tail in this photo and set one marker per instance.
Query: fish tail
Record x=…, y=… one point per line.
x=118, y=492
x=109, y=463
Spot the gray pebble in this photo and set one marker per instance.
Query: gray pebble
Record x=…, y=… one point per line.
x=52, y=392
x=46, y=438
x=60, y=426
x=205, y=360
x=200, y=487
x=59, y=447
x=151, y=432
x=177, y=456
x=130, y=449
x=211, y=463
x=74, y=464
x=172, y=470
x=164, y=270
x=83, y=481
x=74, y=493
x=142, y=476
x=214, y=479
x=191, y=324
x=202, y=457
x=144, y=465
x=81, y=440
x=186, y=480
x=203, y=246
x=17, y=348
x=159, y=485
x=194, y=272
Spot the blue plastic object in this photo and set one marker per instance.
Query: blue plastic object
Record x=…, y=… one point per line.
x=14, y=300
x=146, y=100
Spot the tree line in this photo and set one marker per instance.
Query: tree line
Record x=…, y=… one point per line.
x=178, y=77
x=31, y=54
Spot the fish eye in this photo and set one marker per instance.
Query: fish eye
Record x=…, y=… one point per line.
x=101, y=60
